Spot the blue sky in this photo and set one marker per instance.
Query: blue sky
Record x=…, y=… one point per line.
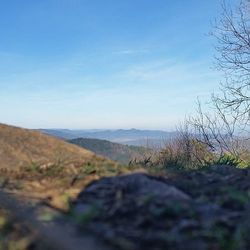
x=105, y=64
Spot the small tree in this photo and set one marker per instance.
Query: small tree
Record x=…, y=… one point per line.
x=232, y=33
x=225, y=128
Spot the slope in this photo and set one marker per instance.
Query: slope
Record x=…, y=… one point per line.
x=115, y=151
x=44, y=167
x=22, y=147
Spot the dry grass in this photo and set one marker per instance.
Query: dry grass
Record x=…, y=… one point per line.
x=43, y=172
x=36, y=165
x=22, y=147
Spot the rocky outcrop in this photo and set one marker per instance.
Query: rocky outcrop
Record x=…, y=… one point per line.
x=206, y=209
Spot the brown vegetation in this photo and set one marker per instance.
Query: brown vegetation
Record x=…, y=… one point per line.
x=22, y=147
x=34, y=165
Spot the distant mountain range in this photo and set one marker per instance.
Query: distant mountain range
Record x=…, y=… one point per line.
x=115, y=151
x=128, y=137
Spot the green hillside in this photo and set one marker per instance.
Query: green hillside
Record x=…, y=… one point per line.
x=115, y=151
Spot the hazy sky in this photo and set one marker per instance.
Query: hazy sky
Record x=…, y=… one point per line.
x=104, y=63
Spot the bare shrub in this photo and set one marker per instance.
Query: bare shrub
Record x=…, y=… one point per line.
x=181, y=152
x=221, y=133
x=184, y=151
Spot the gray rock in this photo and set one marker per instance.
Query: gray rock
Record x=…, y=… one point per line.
x=136, y=184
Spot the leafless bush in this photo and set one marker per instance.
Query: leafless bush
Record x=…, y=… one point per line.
x=221, y=133
x=184, y=151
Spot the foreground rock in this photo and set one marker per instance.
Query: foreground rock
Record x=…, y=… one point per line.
x=206, y=209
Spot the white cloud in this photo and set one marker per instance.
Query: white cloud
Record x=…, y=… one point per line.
x=131, y=51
